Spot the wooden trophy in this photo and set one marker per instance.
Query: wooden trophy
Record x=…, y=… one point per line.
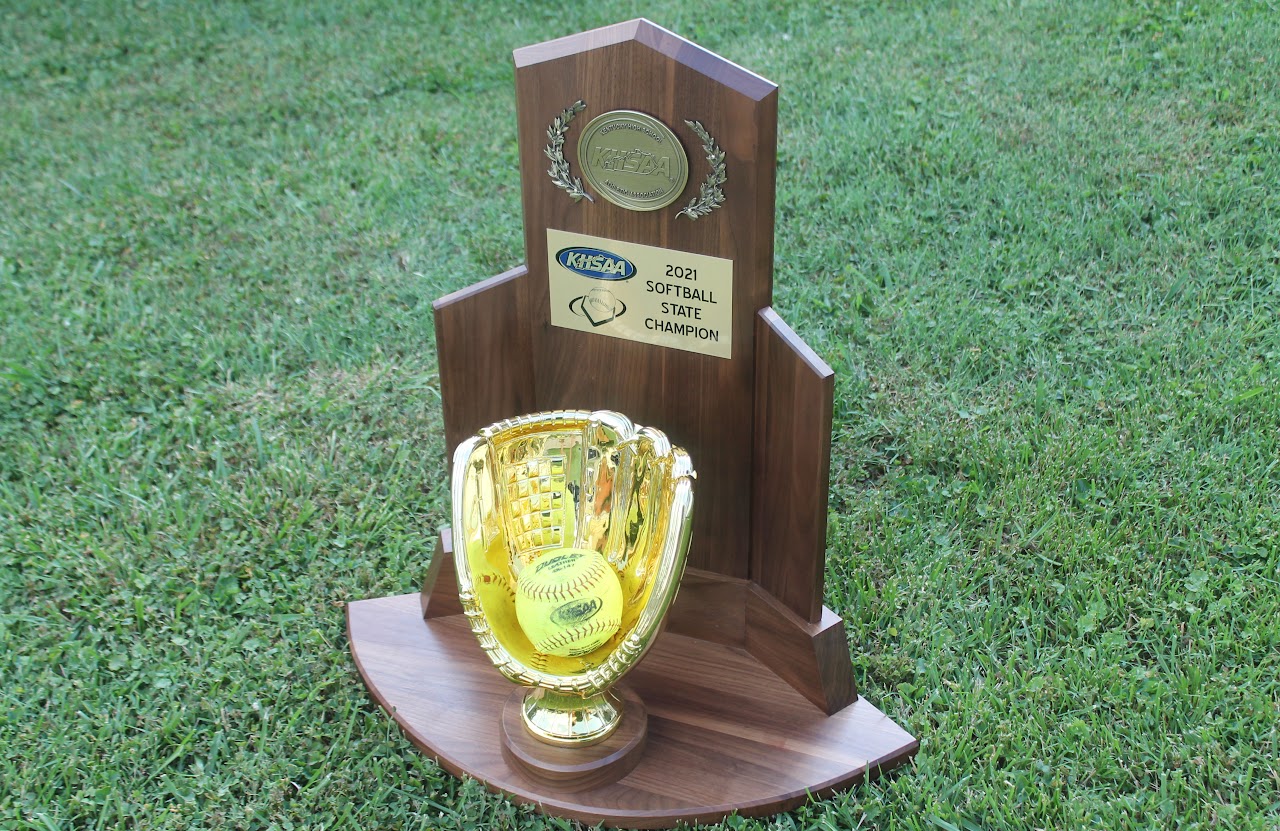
x=647, y=166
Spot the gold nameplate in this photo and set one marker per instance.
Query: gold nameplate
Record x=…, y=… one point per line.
x=641, y=293
x=633, y=160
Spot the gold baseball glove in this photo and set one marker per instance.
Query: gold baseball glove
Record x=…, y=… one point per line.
x=569, y=479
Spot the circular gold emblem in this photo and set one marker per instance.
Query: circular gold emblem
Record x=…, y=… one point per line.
x=633, y=160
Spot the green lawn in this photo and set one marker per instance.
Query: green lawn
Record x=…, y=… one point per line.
x=1039, y=242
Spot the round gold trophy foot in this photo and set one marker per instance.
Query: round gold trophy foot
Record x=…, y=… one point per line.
x=576, y=767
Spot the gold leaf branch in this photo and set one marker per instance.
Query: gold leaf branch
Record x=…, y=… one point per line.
x=711, y=192
x=559, y=171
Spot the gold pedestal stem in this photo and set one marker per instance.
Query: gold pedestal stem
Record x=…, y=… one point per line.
x=570, y=719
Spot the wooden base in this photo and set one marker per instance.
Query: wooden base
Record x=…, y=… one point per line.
x=724, y=733
x=578, y=768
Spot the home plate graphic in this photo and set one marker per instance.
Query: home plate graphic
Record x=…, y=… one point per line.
x=598, y=306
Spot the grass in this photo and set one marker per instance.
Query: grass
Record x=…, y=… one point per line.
x=1039, y=242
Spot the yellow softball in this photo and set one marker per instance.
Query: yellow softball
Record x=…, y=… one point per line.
x=569, y=602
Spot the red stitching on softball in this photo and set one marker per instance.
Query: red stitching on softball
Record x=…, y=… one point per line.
x=568, y=636
x=560, y=591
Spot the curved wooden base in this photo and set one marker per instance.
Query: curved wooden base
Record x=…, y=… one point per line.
x=577, y=768
x=724, y=734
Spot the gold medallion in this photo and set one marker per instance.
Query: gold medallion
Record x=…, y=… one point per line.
x=633, y=160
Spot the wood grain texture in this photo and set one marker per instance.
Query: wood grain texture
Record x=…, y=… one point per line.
x=711, y=607
x=812, y=657
x=724, y=734
x=792, y=467
x=482, y=342
x=703, y=403
x=579, y=768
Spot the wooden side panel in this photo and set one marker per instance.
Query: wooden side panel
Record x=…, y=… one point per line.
x=439, y=594
x=793, y=405
x=703, y=403
x=812, y=657
x=482, y=341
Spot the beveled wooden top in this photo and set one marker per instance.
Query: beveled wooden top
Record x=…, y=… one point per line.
x=659, y=39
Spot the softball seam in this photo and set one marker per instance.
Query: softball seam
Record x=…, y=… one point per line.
x=568, y=636
x=491, y=578
x=565, y=591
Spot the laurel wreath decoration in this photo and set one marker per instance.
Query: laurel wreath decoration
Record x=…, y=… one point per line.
x=559, y=171
x=710, y=193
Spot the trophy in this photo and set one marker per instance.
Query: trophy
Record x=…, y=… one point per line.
x=602, y=506
x=647, y=171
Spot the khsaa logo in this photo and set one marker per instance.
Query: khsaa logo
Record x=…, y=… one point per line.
x=576, y=611
x=596, y=264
